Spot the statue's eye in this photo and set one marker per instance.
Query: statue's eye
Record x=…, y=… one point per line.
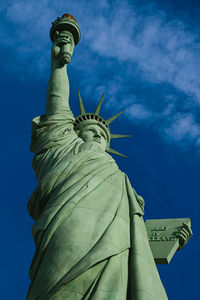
x=103, y=135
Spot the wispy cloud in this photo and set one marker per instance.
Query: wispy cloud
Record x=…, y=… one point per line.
x=126, y=50
x=138, y=112
x=184, y=127
x=164, y=51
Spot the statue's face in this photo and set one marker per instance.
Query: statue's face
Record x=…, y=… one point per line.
x=94, y=133
x=65, y=41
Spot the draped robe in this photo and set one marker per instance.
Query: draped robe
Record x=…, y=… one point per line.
x=89, y=232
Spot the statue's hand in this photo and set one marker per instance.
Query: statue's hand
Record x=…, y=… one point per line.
x=62, y=48
x=184, y=233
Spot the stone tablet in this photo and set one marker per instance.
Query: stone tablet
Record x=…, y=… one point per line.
x=162, y=237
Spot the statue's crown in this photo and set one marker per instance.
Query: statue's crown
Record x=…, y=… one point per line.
x=94, y=118
x=68, y=23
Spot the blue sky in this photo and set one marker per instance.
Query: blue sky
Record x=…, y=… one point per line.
x=145, y=56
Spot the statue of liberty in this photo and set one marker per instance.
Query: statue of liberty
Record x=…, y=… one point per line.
x=90, y=237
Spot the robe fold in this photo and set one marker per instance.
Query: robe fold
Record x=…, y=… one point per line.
x=91, y=242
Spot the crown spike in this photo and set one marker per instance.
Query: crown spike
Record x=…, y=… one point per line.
x=97, y=110
x=115, y=152
x=114, y=117
x=118, y=136
x=82, y=109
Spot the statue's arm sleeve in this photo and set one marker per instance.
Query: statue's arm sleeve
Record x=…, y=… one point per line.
x=54, y=131
x=136, y=201
x=139, y=199
x=53, y=139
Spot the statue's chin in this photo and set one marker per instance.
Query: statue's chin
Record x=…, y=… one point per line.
x=66, y=58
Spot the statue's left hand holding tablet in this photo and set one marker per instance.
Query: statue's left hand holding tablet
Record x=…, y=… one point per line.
x=184, y=233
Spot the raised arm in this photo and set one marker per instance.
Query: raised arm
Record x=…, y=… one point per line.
x=58, y=85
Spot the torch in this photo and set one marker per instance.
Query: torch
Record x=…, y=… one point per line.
x=66, y=23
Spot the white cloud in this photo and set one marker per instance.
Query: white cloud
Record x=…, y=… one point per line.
x=138, y=112
x=165, y=52
x=184, y=127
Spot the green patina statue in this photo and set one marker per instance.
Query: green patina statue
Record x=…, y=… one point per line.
x=89, y=231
